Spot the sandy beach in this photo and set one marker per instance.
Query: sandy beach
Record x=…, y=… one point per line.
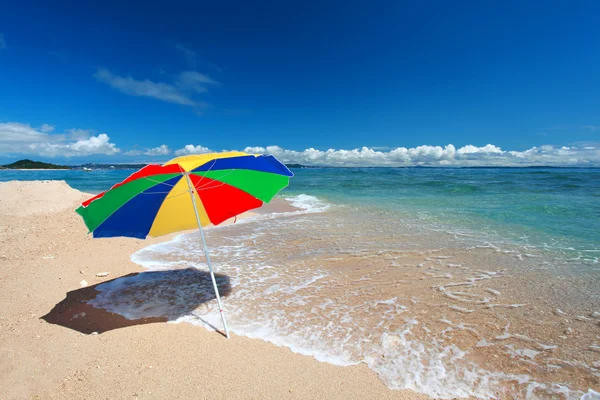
x=54, y=345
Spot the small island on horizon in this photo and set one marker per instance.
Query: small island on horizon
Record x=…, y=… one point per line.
x=29, y=164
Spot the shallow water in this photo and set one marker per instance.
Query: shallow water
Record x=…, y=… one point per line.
x=442, y=314
x=479, y=282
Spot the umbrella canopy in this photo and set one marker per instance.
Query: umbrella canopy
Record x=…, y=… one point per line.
x=156, y=200
x=186, y=192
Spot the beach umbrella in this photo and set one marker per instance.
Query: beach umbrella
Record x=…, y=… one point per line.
x=186, y=193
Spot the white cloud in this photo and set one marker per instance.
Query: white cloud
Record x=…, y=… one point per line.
x=93, y=145
x=466, y=156
x=194, y=81
x=186, y=84
x=133, y=152
x=255, y=150
x=18, y=138
x=191, y=149
x=469, y=155
x=46, y=128
x=145, y=88
x=161, y=150
x=78, y=134
x=488, y=148
x=591, y=128
x=14, y=134
x=2, y=42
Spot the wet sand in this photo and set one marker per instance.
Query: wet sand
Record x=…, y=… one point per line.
x=45, y=254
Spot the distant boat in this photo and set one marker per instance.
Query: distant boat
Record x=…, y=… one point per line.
x=87, y=169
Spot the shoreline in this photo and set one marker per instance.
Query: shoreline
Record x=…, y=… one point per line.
x=46, y=254
x=444, y=294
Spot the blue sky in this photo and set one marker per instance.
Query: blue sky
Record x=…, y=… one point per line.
x=115, y=81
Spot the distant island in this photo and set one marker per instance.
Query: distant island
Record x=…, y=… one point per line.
x=28, y=164
x=295, y=166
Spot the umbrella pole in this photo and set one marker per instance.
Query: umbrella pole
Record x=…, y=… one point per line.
x=210, y=268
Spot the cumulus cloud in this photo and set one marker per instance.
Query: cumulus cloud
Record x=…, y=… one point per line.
x=466, y=156
x=255, y=150
x=46, y=128
x=77, y=134
x=93, y=145
x=2, y=42
x=488, y=148
x=18, y=138
x=161, y=150
x=191, y=149
x=186, y=84
x=469, y=155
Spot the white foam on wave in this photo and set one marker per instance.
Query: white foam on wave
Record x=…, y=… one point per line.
x=300, y=343
x=591, y=395
x=271, y=304
x=406, y=363
x=308, y=203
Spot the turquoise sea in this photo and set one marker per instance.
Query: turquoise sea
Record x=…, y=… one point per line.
x=480, y=282
x=556, y=208
x=542, y=207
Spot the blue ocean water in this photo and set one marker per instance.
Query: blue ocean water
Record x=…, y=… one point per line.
x=556, y=208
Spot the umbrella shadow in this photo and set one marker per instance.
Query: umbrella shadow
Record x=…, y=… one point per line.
x=136, y=299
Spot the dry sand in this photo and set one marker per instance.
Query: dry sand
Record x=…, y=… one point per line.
x=45, y=253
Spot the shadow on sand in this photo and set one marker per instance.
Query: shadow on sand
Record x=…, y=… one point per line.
x=136, y=299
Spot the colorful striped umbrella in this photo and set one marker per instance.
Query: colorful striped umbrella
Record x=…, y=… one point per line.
x=185, y=193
